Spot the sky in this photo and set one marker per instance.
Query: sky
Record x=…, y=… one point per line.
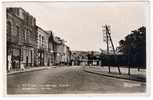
x=80, y=23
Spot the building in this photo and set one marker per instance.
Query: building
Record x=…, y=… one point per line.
x=59, y=50
x=21, y=38
x=29, y=45
x=79, y=57
x=85, y=57
x=67, y=55
x=42, y=47
x=51, y=49
x=62, y=52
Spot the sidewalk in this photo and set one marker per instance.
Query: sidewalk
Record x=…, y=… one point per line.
x=28, y=69
x=101, y=70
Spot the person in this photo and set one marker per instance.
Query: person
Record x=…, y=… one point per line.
x=9, y=63
x=22, y=66
x=13, y=64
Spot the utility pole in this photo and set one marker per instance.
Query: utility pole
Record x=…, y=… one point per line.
x=108, y=40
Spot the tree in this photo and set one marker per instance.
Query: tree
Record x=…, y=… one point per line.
x=134, y=46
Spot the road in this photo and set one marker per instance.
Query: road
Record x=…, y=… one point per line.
x=69, y=80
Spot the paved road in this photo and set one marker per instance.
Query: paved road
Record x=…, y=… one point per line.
x=68, y=80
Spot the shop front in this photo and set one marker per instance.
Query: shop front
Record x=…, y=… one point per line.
x=27, y=56
x=13, y=57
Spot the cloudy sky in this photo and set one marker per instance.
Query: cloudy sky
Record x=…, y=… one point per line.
x=80, y=23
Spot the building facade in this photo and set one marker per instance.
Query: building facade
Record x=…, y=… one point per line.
x=21, y=38
x=42, y=47
x=59, y=50
x=62, y=52
x=67, y=55
x=29, y=45
x=51, y=49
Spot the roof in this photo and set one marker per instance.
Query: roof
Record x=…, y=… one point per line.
x=42, y=30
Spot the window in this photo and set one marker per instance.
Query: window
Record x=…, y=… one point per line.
x=21, y=15
x=27, y=35
x=9, y=29
x=33, y=21
x=42, y=40
x=26, y=18
x=17, y=12
x=24, y=35
x=30, y=35
x=39, y=40
x=17, y=32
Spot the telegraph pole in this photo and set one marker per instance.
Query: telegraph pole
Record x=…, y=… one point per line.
x=107, y=42
x=108, y=39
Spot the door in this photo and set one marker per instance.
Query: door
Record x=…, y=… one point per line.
x=27, y=61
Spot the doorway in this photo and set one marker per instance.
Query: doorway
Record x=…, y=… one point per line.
x=26, y=60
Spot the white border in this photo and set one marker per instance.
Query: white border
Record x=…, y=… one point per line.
x=149, y=57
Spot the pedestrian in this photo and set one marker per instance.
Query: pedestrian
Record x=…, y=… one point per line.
x=22, y=66
x=9, y=62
